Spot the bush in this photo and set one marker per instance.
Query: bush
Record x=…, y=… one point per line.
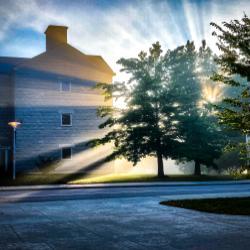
x=46, y=163
x=239, y=172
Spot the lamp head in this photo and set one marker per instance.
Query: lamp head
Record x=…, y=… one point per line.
x=14, y=124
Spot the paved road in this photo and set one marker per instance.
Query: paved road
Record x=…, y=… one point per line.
x=119, y=218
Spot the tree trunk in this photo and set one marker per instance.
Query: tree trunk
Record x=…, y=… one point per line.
x=160, y=165
x=197, y=168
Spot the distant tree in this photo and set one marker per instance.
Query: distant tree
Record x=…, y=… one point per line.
x=147, y=127
x=233, y=41
x=203, y=141
x=202, y=138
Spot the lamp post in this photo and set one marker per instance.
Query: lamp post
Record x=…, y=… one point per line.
x=248, y=149
x=14, y=125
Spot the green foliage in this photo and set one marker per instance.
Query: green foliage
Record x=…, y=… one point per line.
x=202, y=138
x=163, y=117
x=147, y=126
x=239, y=173
x=234, y=63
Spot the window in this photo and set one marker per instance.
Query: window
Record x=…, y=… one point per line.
x=66, y=153
x=66, y=119
x=65, y=85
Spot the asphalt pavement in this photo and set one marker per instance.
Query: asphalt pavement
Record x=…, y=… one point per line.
x=120, y=217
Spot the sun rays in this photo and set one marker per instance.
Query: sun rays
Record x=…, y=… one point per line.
x=212, y=93
x=121, y=30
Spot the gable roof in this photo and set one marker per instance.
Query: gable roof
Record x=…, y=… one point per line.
x=62, y=59
x=66, y=60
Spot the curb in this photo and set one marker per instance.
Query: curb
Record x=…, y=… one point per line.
x=121, y=185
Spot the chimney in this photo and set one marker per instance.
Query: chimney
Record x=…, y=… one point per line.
x=55, y=35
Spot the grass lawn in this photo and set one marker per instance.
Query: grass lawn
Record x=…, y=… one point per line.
x=233, y=206
x=115, y=178
x=80, y=178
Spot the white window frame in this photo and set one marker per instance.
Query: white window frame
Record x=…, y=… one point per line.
x=71, y=117
x=61, y=81
x=66, y=146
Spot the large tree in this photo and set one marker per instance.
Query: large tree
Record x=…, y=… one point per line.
x=202, y=139
x=233, y=41
x=147, y=127
x=163, y=117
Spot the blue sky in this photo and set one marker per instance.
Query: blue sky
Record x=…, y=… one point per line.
x=112, y=28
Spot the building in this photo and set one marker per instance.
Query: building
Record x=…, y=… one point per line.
x=51, y=94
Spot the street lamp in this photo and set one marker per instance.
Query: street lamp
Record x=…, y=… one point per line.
x=14, y=125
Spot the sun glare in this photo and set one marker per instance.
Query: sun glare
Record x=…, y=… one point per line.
x=120, y=103
x=211, y=93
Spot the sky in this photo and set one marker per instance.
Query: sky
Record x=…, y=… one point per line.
x=112, y=28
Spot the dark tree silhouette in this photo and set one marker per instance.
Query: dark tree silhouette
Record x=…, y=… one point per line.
x=202, y=138
x=147, y=126
x=163, y=117
x=233, y=40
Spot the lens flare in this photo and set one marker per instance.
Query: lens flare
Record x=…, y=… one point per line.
x=212, y=93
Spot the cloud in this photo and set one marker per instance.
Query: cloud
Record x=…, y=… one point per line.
x=119, y=30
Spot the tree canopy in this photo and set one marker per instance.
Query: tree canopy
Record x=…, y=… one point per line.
x=202, y=138
x=147, y=126
x=163, y=116
x=233, y=41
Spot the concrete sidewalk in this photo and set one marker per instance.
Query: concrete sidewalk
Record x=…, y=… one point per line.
x=122, y=185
